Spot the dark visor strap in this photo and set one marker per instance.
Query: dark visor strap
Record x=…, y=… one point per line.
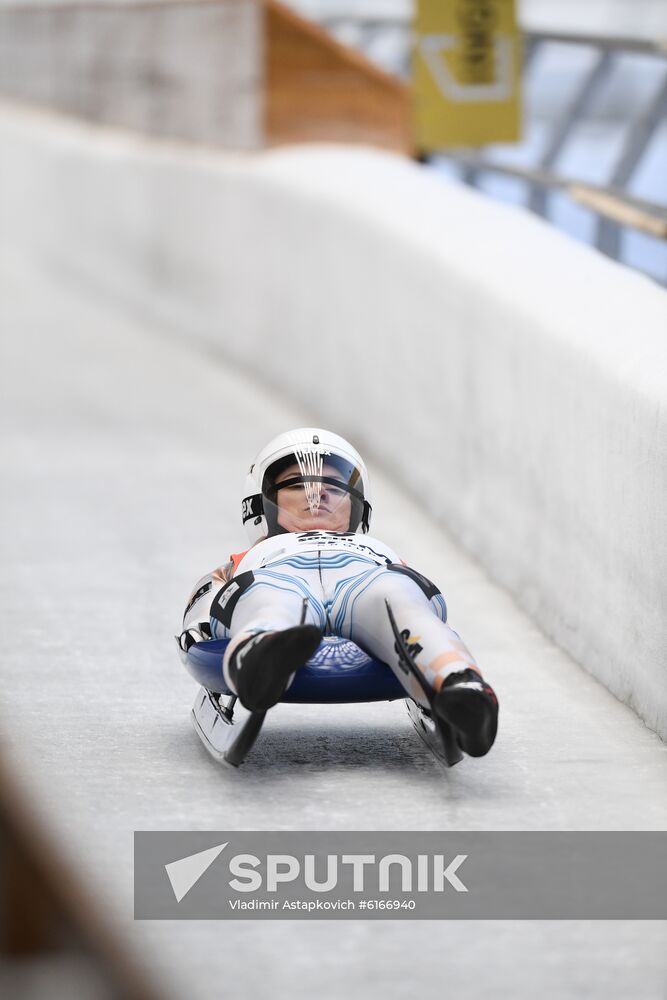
x=295, y=480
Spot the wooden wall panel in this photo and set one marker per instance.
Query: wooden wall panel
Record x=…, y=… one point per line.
x=319, y=90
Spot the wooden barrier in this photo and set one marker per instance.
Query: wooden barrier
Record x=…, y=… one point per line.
x=235, y=74
x=317, y=90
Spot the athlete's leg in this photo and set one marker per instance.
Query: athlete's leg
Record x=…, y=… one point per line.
x=444, y=661
x=263, y=612
x=360, y=614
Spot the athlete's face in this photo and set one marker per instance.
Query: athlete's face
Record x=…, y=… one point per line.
x=295, y=513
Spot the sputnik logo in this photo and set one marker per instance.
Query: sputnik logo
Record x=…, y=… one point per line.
x=280, y=868
x=186, y=872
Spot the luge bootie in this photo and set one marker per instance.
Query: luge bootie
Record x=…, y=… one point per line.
x=260, y=668
x=469, y=705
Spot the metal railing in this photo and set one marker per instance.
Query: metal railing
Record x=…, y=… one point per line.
x=609, y=202
x=615, y=208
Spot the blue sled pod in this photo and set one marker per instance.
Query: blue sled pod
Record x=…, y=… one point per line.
x=339, y=672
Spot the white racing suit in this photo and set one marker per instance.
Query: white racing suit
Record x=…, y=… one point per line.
x=345, y=579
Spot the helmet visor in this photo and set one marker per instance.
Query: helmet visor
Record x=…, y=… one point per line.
x=313, y=492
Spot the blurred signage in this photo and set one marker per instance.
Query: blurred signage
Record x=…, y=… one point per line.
x=466, y=73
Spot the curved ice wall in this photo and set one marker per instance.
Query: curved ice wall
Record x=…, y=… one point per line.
x=512, y=379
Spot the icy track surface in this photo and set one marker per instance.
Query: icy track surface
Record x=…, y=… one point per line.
x=123, y=455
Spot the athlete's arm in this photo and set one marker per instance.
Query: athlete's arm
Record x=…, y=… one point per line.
x=196, y=617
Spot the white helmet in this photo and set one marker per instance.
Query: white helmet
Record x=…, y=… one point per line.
x=310, y=449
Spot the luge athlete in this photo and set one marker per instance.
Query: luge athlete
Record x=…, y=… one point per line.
x=311, y=571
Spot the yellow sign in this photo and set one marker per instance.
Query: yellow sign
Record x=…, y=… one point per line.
x=466, y=73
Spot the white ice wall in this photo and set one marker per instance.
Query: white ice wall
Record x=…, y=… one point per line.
x=514, y=380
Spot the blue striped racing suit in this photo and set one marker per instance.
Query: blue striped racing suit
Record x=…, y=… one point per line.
x=345, y=579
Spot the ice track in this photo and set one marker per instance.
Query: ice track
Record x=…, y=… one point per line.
x=123, y=454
